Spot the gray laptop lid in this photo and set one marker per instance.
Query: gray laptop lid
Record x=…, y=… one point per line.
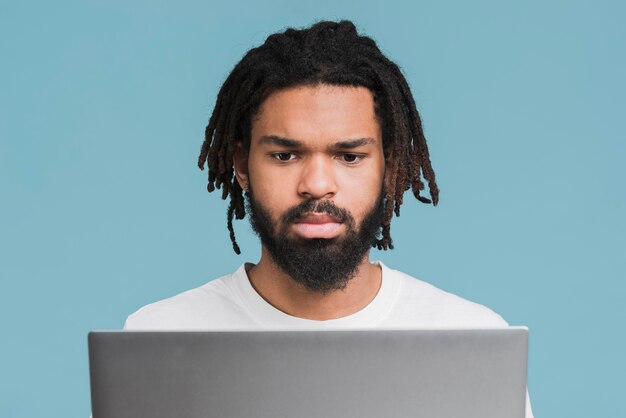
x=374, y=373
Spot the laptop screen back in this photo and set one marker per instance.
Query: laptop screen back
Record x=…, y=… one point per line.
x=366, y=373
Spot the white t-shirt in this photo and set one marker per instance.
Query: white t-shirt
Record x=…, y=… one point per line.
x=231, y=303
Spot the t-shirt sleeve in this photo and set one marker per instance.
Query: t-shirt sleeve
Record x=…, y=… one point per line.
x=529, y=410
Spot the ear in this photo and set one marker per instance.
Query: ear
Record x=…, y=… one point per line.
x=240, y=162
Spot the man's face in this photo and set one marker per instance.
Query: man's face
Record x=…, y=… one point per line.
x=315, y=173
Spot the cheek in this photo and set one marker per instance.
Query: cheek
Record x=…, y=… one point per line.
x=272, y=188
x=360, y=191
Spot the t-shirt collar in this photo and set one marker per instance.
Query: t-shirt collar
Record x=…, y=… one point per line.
x=270, y=317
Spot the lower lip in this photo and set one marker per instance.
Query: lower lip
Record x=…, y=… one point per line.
x=325, y=230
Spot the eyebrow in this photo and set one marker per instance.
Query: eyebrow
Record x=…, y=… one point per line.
x=294, y=143
x=353, y=143
x=280, y=141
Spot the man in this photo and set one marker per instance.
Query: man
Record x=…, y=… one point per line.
x=316, y=136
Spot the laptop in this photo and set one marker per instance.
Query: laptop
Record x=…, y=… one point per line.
x=469, y=373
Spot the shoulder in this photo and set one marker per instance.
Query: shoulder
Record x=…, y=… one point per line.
x=421, y=302
x=213, y=305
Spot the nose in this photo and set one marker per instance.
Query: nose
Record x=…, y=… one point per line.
x=317, y=178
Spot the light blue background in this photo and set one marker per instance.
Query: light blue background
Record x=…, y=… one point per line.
x=102, y=111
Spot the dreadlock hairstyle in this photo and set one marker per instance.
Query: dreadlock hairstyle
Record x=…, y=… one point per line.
x=330, y=53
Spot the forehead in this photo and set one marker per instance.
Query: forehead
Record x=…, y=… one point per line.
x=318, y=114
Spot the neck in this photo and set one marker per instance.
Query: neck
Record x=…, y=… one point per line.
x=289, y=296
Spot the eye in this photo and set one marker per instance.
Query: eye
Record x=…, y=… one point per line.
x=283, y=156
x=351, y=158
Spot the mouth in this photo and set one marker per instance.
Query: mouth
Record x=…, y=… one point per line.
x=318, y=225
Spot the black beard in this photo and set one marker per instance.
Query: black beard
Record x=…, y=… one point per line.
x=319, y=264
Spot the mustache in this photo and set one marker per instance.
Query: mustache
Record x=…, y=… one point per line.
x=316, y=206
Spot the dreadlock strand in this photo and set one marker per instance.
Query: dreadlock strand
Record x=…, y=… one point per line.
x=401, y=146
x=421, y=154
x=224, y=130
x=231, y=230
x=237, y=197
x=208, y=137
x=390, y=184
